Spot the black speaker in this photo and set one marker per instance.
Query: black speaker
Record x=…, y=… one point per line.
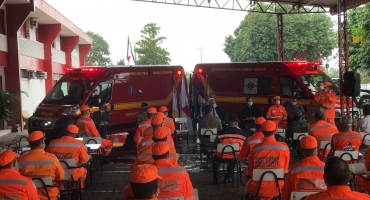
x=351, y=84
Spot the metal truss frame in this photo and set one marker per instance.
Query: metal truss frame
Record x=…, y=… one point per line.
x=273, y=7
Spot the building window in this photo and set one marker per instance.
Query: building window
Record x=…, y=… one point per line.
x=260, y=86
x=38, y=36
x=23, y=30
x=2, y=22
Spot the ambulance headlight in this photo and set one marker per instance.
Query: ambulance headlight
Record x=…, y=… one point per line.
x=71, y=110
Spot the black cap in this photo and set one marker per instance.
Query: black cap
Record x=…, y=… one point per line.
x=144, y=104
x=233, y=118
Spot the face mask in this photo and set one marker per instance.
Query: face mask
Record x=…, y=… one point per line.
x=278, y=102
x=250, y=103
x=321, y=87
x=294, y=103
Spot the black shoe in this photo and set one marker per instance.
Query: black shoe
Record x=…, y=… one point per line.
x=106, y=160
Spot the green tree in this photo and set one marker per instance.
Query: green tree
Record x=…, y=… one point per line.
x=308, y=37
x=99, y=53
x=148, y=49
x=359, y=27
x=121, y=62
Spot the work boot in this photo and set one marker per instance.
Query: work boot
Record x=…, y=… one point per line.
x=228, y=178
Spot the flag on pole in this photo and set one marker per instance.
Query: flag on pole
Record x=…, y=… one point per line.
x=131, y=60
x=184, y=106
x=193, y=104
x=175, y=103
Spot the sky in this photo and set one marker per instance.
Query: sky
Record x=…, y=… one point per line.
x=186, y=28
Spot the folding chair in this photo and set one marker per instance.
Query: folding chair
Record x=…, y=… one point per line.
x=95, y=153
x=266, y=175
x=300, y=195
x=181, y=121
x=92, y=140
x=281, y=132
x=84, y=134
x=229, y=149
x=324, y=145
x=44, y=182
x=347, y=155
x=172, y=198
x=295, y=142
x=356, y=169
x=68, y=165
x=203, y=133
x=365, y=138
x=22, y=144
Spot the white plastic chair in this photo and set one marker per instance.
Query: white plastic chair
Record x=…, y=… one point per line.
x=300, y=195
x=299, y=136
x=92, y=140
x=365, y=138
x=347, y=155
x=182, y=121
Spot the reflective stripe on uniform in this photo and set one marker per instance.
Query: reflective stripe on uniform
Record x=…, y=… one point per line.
x=254, y=141
x=83, y=121
x=171, y=169
x=36, y=163
x=144, y=155
x=331, y=120
x=322, y=126
x=270, y=147
x=65, y=145
x=167, y=120
x=231, y=136
x=147, y=143
x=347, y=137
x=144, y=125
x=307, y=168
x=14, y=181
x=148, y=129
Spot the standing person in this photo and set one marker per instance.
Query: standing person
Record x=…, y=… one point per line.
x=346, y=140
x=102, y=120
x=364, y=124
x=307, y=174
x=322, y=131
x=269, y=154
x=362, y=182
x=12, y=184
x=320, y=89
x=144, y=182
x=142, y=115
x=218, y=111
x=328, y=99
x=86, y=124
x=209, y=120
x=277, y=112
x=336, y=176
x=67, y=148
x=38, y=163
x=231, y=134
x=168, y=121
x=291, y=107
x=249, y=114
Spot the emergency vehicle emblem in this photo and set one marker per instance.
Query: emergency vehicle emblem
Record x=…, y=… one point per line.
x=131, y=90
x=250, y=85
x=313, y=112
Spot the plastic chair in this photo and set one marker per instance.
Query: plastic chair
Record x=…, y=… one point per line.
x=295, y=142
x=365, y=138
x=347, y=155
x=44, y=182
x=203, y=132
x=324, y=145
x=21, y=142
x=261, y=175
x=92, y=140
x=182, y=121
x=227, y=148
x=84, y=134
x=68, y=165
x=300, y=195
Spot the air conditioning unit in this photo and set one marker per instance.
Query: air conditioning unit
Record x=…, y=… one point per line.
x=34, y=24
x=41, y=75
x=31, y=74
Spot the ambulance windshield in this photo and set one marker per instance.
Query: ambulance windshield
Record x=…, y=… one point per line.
x=311, y=81
x=68, y=92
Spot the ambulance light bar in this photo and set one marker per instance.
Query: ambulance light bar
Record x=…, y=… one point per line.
x=90, y=69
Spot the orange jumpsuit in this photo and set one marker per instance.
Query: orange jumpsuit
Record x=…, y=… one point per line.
x=145, y=157
x=256, y=138
x=328, y=100
x=139, y=134
x=175, y=181
x=86, y=124
x=149, y=132
x=337, y=193
x=15, y=186
x=148, y=142
x=363, y=181
x=347, y=141
x=322, y=131
x=38, y=163
x=277, y=111
x=66, y=148
x=169, y=123
x=304, y=176
x=269, y=154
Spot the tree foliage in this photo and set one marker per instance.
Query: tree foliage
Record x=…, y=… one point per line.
x=148, y=49
x=121, y=62
x=359, y=27
x=308, y=37
x=99, y=53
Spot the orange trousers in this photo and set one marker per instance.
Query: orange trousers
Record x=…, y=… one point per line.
x=107, y=145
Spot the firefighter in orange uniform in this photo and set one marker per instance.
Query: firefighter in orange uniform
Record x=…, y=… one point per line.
x=175, y=179
x=346, y=140
x=12, y=184
x=328, y=99
x=231, y=134
x=139, y=134
x=277, y=112
x=38, y=163
x=336, y=176
x=306, y=175
x=168, y=121
x=157, y=121
x=322, y=131
x=320, y=89
x=149, y=140
x=144, y=156
x=67, y=148
x=269, y=154
x=144, y=182
x=256, y=138
x=86, y=124
x=363, y=181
